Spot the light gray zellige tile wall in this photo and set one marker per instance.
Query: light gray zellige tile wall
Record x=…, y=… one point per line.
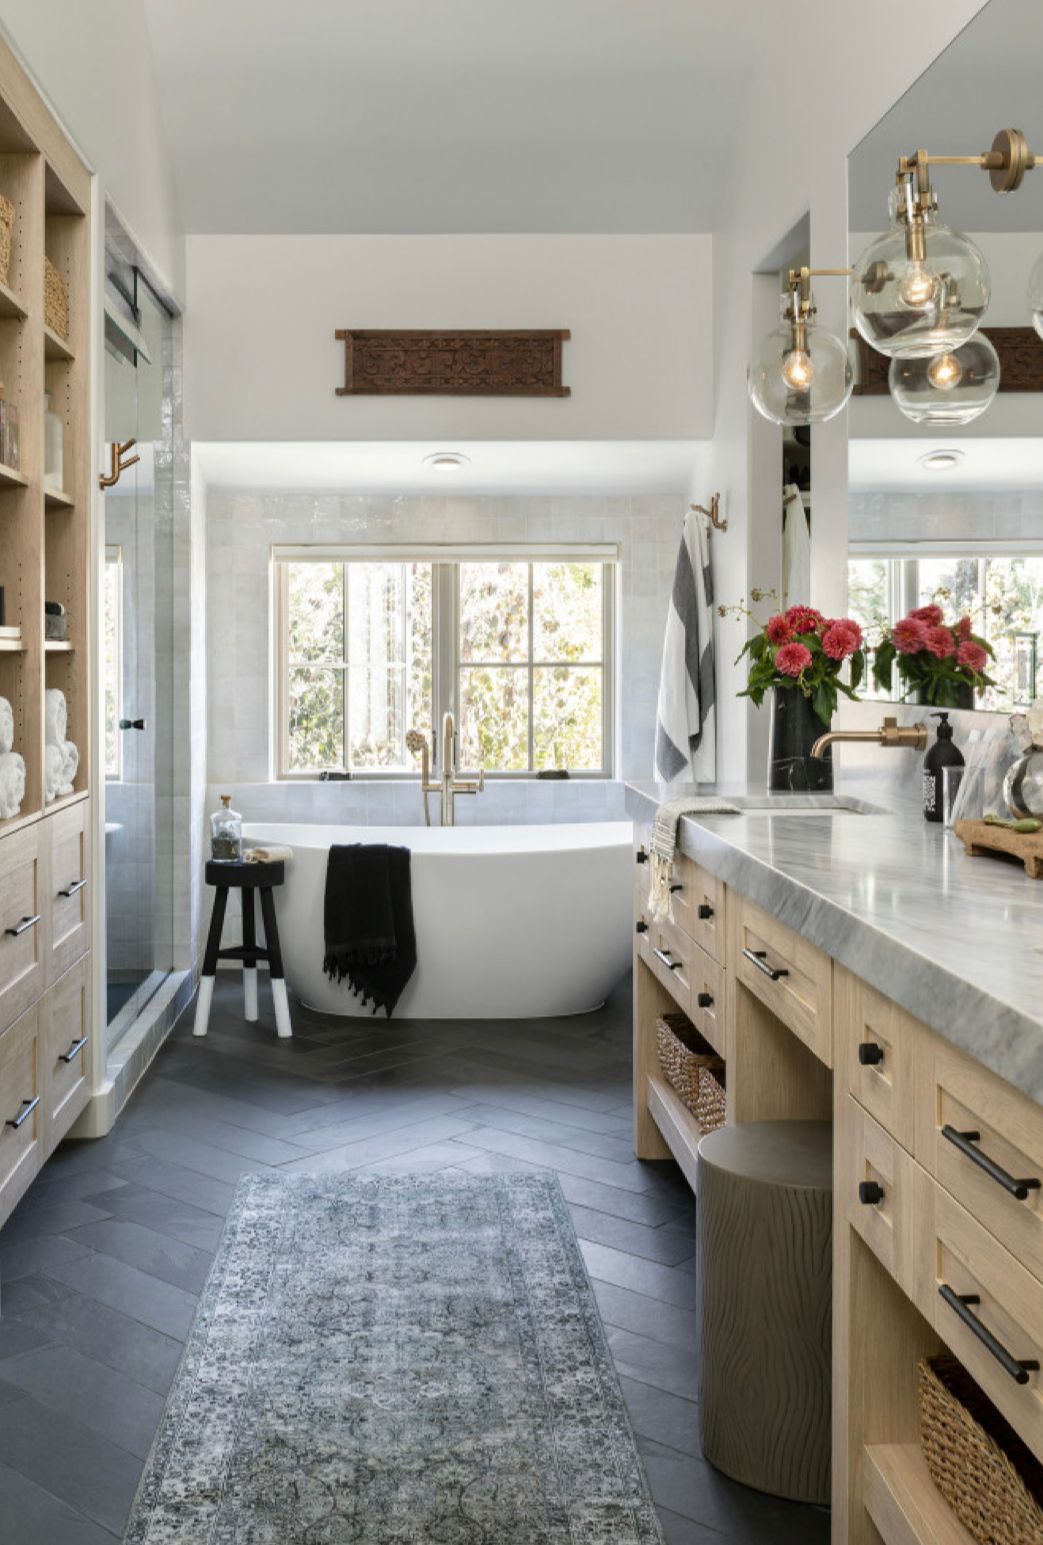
x=946, y=515
x=243, y=526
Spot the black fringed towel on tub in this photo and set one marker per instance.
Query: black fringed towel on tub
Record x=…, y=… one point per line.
x=370, y=939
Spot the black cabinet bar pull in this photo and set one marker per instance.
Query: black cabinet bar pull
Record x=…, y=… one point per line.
x=704, y=1000
x=759, y=958
x=23, y=926
x=663, y=955
x=675, y=888
x=28, y=1106
x=965, y=1141
x=70, y=890
x=74, y=1049
x=1018, y=1368
x=869, y=1054
x=704, y=911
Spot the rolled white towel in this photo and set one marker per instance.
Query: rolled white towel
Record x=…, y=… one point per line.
x=6, y=726
x=70, y=762
x=12, y=783
x=272, y=855
x=56, y=718
x=53, y=765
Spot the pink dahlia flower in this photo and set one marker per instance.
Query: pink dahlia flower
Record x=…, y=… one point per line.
x=931, y=616
x=778, y=630
x=804, y=619
x=910, y=635
x=841, y=639
x=940, y=642
x=963, y=628
x=792, y=659
x=972, y=655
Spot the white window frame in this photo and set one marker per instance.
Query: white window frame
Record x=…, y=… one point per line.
x=445, y=664
x=114, y=560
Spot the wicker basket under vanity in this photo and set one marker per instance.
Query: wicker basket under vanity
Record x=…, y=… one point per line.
x=55, y=300
x=989, y=1477
x=6, y=228
x=693, y=1068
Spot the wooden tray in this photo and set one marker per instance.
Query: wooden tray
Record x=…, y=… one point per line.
x=978, y=838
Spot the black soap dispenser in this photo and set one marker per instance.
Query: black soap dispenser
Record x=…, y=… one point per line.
x=942, y=754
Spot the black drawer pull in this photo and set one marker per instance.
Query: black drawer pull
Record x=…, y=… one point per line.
x=74, y=1049
x=870, y=1193
x=704, y=1000
x=664, y=956
x=28, y=1106
x=759, y=958
x=704, y=911
x=641, y=857
x=70, y=890
x=1018, y=1368
x=23, y=926
x=640, y=927
x=965, y=1141
x=675, y=888
x=869, y=1054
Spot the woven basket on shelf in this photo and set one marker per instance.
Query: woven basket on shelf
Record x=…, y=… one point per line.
x=55, y=300
x=6, y=227
x=989, y=1477
x=693, y=1068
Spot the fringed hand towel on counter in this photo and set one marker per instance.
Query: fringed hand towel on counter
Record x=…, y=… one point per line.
x=663, y=846
x=272, y=855
x=686, y=721
x=370, y=938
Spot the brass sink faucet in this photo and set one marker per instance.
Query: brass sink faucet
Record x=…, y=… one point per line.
x=448, y=785
x=890, y=733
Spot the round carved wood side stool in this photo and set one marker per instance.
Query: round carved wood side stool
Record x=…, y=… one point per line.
x=246, y=879
x=764, y=1232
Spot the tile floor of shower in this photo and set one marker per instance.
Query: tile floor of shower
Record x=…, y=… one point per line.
x=102, y=1263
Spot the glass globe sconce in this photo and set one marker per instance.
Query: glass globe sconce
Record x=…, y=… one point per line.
x=950, y=389
x=800, y=374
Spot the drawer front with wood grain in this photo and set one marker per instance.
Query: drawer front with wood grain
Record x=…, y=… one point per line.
x=874, y=1044
x=21, y=1109
x=877, y=1179
x=983, y=1141
x=985, y=1306
x=22, y=943
x=790, y=976
x=68, y=836
x=707, y=1004
x=65, y=1051
x=699, y=906
x=672, y=957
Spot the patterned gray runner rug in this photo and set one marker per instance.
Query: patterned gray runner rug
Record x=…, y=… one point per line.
x=407, y=1360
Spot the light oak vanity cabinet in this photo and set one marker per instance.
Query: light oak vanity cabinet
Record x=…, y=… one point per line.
x=938, y=1201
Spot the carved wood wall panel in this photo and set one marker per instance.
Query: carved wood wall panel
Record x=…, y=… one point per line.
x=463, y=363
x=1020, y=351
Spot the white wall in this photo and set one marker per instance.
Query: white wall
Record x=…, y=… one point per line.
x=93, y=60
x=818, y=90
x=262, y=362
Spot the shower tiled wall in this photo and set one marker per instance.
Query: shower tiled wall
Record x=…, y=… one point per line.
x=243, y=526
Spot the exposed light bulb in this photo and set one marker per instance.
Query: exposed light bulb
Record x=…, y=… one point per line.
x=919, y=286
x=945, y=372
x=797, y=370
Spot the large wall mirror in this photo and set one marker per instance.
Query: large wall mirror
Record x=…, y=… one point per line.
x=944, y=512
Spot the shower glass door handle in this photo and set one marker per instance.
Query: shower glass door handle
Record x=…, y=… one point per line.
x=133, y=724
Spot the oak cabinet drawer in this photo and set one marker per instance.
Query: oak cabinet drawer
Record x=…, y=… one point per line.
x=698, y=900
x=21, y=1109
x=65, y=1051
x=874, y=1043
x=877, y=1175
x=672, y=959
x=792, y=977
x=22, y=943
x=985, y=1306
x=67, y=834
x=706, y=1008
x=983, y=1141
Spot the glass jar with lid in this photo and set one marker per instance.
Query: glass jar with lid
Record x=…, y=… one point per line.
x=226, y=834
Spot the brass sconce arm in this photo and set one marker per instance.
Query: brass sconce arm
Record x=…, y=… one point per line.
x=1006, y=163
x=119, y=462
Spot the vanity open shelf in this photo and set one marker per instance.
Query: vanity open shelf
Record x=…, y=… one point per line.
x=56, y=348
x=903, y=1502
x=10, y=304
x=9, y=478
x=677, y=1126
x=55, y=499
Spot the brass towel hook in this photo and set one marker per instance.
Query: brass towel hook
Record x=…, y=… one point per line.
x=117, y=464
x=712, y=514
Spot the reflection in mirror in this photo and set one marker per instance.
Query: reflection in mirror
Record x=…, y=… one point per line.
x=951, y=514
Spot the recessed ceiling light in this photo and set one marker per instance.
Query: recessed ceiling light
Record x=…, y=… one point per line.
x=446, y=461
x=941, y=461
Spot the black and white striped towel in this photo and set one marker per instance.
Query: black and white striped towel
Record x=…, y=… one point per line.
x=686, y=722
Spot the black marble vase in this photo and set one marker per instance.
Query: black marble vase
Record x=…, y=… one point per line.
x=964, y=697
x=795, y=726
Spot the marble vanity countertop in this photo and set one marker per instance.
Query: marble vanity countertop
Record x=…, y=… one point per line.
x=956, y=941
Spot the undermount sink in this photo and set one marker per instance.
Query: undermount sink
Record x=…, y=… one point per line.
x=805, y=804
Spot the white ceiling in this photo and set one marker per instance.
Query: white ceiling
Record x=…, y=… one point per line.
x=985, y=465
x=388, y=116
x=986, y=80
x=618, y=467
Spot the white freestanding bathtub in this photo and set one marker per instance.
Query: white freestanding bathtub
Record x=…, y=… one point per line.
x=512, y=922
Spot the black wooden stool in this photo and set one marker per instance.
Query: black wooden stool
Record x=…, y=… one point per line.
x=245, y=878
